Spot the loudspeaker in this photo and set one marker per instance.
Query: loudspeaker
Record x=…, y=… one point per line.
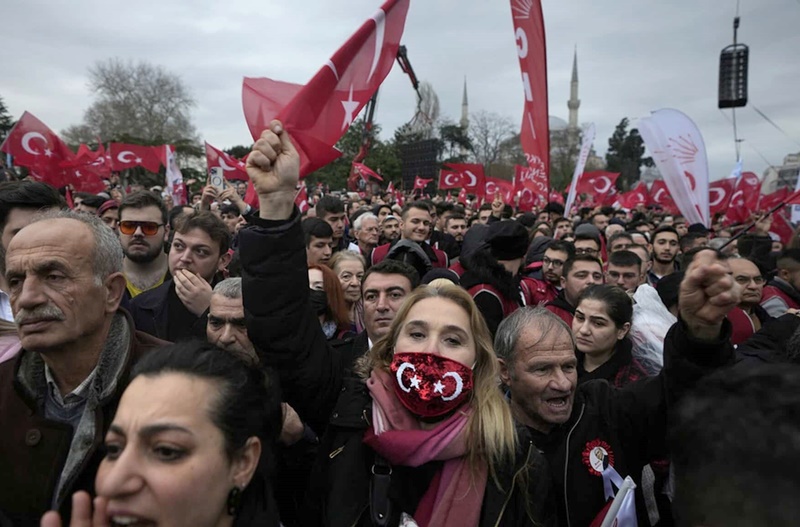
x=733, y=76
x=419, y=159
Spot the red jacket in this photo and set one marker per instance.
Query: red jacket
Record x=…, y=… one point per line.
x=562, y=308
x=537, y=291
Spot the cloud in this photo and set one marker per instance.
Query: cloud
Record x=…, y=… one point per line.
x=634, y=57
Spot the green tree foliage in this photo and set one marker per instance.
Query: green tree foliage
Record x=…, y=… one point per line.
x=626, y=155
x=6, y=122
x=238, y=151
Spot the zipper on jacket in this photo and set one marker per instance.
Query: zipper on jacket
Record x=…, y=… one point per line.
x=358, y=518
x=335, y=452
x=514, y=484
x=566, y=463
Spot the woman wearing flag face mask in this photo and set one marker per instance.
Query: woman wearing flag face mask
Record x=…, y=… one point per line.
x=416, y=431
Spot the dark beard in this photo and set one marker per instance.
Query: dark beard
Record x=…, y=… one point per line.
x=143, y=258
x=659, y=260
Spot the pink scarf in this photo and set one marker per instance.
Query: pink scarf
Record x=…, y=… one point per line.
x=455, y=495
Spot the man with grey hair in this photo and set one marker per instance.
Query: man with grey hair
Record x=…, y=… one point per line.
x=366, y=233
x=58, y=396
x=226, y=325
x=593, y=435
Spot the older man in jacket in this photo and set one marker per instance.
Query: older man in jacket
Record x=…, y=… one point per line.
x=58, y=396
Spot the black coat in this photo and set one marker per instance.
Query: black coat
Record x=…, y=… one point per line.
x=151, y=313
x=317, y=384
x=629, y=423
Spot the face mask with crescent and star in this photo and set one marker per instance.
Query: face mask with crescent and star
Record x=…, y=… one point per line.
x=430, y=385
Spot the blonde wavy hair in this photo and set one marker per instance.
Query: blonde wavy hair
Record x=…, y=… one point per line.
x=491, y=436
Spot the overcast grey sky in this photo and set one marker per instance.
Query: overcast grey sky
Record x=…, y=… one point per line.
x=634, y=56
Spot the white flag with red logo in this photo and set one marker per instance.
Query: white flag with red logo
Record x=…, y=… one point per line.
x=678, y=149
x=175, y=185
x=586, y=149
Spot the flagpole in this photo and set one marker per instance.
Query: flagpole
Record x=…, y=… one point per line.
x=770, y=212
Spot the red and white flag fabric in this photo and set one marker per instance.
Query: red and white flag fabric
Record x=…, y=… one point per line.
x=365, y=172
x=556, y=197
x=319, y=113
x=232, y=168
x=462, y=196
x=638, y=195
x=301, y=199
x=175, y=185
x=420, y=183
x=745, y=198
x=677, y=147
x=535, y=130
x=503, y=187
x=450, y=179
x=472, y=176
x=88, y=168
x=768, y=201
x=527, y=199
x=719, y=195
x=583, y=156
x=660, y=195
x=390, y=187
x=600, y=185
x=125, y=156
x=621, y=511
x=37, y=148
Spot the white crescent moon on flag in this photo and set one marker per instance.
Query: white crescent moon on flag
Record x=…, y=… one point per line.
x=720, y=195
x=380, y=28
x=448, y=179
x=26, y=142
x=473, y=179
x=657, y=196
x=403, y=367
x=604, y=189
x=123, y=157
x=459, y=385
x=223, y=165
x=736, y=195
x=491, y=188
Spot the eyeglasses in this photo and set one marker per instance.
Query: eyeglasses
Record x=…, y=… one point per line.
x=745, y=280
x=552, y=263
x=149, y=228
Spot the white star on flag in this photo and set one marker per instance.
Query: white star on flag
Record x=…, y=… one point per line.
x=350, y=106
x=415, y=382
x=48, y=152
x=78, y=173
x=438, y=387
x=138, y=159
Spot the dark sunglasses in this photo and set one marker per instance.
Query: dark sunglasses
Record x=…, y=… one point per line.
x=149, y=228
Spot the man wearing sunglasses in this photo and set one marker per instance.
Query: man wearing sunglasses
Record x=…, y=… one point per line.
x=143, y=229
x=178, y=308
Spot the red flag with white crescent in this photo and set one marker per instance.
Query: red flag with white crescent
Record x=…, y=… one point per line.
x=634, y=197
x=556, y=197
x=745, y=198
x=390, y=187
x=450, y=179
x=660, y=195
x=529, y=36
x=129, y=156
x=232, y=168
x=420, y=183
x=462, y=196
x=600, y=185
x=319, y=113
x=499, y=186
x=472, y=176
x=719, y=194
x=38, y=148
x=301, y=199
x=364, y=171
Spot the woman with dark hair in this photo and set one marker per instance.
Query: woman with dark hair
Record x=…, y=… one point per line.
x=601, y=325
x=327, y=300
x=190, y=445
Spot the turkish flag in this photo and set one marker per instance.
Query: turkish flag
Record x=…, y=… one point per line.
x=319, y=113
x=232, y=168
x=503, y=187
x=745, y=198
x=462, y=196
x=781, y=226
x=390, y=187
x=719, y=194
x=420, y=184
x=449, y=179
x=659, y=195
x=364, y=171
x=535, y=131
x=301, y=199
x=527, y=200
x=526, y=184
x=125, y=156
x=600, y=185
x=768, y=201
x=472, y=177
x=39, y=149
x=86, y=171
x=634, y=197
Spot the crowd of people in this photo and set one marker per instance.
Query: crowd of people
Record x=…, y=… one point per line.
x=366, y=363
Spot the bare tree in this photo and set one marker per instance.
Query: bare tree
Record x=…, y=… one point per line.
x=136, y=102
x=489, y=133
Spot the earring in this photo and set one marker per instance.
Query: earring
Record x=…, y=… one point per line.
x=234, y=501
